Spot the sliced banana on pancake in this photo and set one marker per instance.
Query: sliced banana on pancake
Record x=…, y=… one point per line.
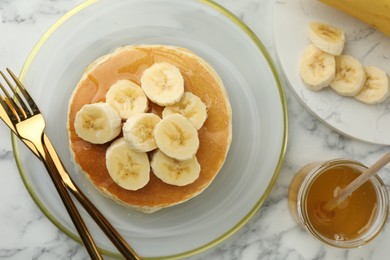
x=139, y=131
x=191, y=107
x=350, y=76
x=177, y=137
x=97, y=123
x=163, y=83
x=327, y=38
x=317, y=68
x=376, y=87
x=127, y=98
x=128, y=168
x=175, y=172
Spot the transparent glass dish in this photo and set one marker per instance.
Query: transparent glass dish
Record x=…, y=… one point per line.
x=259, y=118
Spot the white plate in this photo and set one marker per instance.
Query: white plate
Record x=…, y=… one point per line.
x=259, y=118
x=370, y=123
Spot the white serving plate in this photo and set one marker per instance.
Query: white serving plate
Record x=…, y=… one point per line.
x=369, y=123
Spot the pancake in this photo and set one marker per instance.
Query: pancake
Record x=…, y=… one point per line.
x=214, y=136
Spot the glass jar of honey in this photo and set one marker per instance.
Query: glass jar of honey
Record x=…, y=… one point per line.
x=356, y=220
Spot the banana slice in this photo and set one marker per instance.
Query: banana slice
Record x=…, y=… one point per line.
x=138, y=131
x=163, y=83
x=127, y=98
x=97, y=123
x=191, y=107
x=177, y=137
x=376, y=88
x=327, y=38
x=129, y=169
x=350, y=76
x=317, y=68
x=174, y=172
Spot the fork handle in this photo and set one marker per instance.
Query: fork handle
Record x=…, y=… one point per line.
x=119, y=242
x=69, y=205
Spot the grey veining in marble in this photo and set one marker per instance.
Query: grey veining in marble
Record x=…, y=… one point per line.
x=25, y=233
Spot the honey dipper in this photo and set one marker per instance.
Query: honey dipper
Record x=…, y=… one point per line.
x=355, y=184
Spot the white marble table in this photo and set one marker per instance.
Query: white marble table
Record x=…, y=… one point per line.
x=25, y=233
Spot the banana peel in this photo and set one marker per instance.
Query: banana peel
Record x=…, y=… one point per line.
x=373, y=12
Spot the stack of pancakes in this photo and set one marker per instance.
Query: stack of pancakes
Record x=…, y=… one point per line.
x=129, y=63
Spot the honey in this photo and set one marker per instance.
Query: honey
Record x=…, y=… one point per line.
x=355, y=221
x=353, y=216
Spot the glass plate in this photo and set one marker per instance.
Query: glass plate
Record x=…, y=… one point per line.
x=259, y=118
x=370, y=123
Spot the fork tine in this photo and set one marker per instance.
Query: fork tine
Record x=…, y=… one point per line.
x=9, y=110
x=4, y=90
x=24, y=109
x=12, y=106
x=25, y=93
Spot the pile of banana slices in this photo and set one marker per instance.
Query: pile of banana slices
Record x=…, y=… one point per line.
x=173, y=138
x=323, y=65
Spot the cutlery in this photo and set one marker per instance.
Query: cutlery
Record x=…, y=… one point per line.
x=28, y=124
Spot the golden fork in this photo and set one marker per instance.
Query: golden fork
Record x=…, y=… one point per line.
x=26, y=121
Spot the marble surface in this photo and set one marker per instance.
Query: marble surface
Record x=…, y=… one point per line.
x=25, y=233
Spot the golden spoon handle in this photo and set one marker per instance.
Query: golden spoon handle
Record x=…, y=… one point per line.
x=119, y=242
x=69, y=205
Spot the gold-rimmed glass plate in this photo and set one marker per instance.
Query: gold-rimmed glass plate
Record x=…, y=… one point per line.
x=259, y=118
